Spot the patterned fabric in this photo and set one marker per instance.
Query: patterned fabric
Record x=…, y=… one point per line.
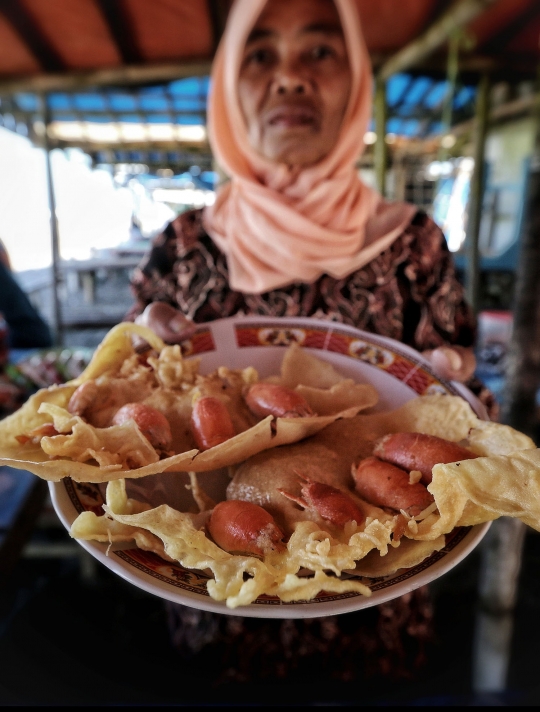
x=409, y=293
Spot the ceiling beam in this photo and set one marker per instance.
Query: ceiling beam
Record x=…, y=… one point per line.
x=513, y=109
x=116, y=76
x=121, y=28
x=506, y=34
x=93, y=146
x=218, y=11
x=458, y=15
x=31, y=34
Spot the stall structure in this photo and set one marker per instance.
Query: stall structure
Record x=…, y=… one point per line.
x=126, y=81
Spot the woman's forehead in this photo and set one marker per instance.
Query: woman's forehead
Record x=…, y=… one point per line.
x=297, y=15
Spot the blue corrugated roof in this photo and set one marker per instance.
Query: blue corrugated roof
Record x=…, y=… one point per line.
x=414, y=104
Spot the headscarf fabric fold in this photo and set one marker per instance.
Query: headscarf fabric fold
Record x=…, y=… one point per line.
x=279, y=225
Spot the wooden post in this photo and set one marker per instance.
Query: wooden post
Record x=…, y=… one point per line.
x=472, y=273
x=55, y=241
x=498, y=584
x=502, y=548
x=523, y=360
x=380, y=157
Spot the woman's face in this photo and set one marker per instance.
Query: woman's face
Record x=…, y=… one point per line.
x=295, y=81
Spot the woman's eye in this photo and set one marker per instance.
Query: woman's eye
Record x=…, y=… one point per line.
x=259, y=57
x=322, y=52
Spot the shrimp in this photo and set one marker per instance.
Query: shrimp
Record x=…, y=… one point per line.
x=244, y=528
x=417, y=451
x=211, y=423
x=46, y=430
x=328, y=502
x=386, y=485
x=271, y=399
x=152, y=424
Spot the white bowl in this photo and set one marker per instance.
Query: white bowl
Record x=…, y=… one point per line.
x=398, y=372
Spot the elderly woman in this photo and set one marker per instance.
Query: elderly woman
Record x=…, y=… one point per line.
x=295, y=232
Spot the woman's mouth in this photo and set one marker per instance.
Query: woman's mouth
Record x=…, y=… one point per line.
x=290, y=117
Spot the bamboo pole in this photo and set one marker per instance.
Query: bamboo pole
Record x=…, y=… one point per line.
x=55, y=240
x=472, y=276
x=458, y=15
x=452, y=70
x=380, y=156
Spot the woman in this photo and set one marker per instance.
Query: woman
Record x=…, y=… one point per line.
x=295, y=232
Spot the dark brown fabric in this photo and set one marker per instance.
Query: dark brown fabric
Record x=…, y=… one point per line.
x=388, y=641
x=409, y=293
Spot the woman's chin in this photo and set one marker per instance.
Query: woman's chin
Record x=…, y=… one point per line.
x=294, y=155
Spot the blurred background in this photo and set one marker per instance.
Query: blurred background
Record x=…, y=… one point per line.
x=103, y=141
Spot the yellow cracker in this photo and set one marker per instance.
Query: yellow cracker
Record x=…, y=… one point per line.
x=116, y=347
x=301, y=368
x=343, y=395
x=408, y=554
x=89, y=453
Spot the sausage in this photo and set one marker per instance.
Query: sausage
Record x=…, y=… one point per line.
x=151, y=422
x=271, y=399
x=417, y=451
x=245, y=528
x=211, y=423
x=386, y=485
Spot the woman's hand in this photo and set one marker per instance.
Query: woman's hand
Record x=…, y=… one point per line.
x=167, y=322
x=453, y=363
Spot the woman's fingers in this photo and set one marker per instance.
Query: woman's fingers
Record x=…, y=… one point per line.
x=453, y=363
x=167, y=322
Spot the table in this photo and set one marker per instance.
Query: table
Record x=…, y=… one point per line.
x=85, y=272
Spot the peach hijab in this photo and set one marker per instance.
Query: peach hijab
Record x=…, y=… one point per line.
x=277, y=225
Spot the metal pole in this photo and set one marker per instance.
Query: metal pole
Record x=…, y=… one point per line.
x=55, y=241
x=472, y=275
x=380, y=150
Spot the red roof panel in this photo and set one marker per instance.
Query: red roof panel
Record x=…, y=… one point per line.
x=388, y=25
x=15, y=56
x=169, y=29
x=76, y=30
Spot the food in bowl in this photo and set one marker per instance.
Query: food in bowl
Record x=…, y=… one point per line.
x=295, y=519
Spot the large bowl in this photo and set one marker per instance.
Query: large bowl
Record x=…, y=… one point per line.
x=399, y=374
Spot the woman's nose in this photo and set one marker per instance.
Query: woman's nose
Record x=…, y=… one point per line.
x=291, y=85
x=288, y=79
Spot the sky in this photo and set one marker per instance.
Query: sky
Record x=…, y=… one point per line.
x=92, y=211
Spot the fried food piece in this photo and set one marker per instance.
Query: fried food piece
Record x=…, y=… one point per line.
x=328, y=502
x=271, y=399
x=244, y=528
x=211, y=423
x=86, y=445
x=418, y=451
x=152, y=424
x=386, y=485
